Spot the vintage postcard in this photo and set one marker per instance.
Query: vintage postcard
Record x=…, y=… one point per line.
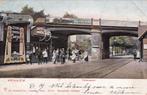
x=68, y=47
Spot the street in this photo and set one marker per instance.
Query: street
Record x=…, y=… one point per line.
x=108, y=68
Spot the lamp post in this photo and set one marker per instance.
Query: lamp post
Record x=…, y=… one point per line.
x=115, y=46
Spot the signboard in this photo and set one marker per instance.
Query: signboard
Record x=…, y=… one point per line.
x=15, y=45
x=1, y=32
x=145, y=46
x=41, y=31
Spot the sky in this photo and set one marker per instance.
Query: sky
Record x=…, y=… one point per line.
x=134, y=10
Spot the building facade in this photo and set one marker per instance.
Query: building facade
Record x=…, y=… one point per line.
x=14, y=31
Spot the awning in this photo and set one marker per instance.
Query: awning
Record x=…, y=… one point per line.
x=142, y=31
x=143, y=35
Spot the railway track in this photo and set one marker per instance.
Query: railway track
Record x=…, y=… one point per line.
x=103, y=71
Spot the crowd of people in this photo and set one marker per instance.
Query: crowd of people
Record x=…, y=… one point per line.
x=59, y=55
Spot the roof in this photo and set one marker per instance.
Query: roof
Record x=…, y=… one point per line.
x=13, y=18
x=143, y=35
x=142, y=30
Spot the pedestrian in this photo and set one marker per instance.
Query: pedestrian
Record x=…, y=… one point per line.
x=69, y=54
x=86, y=56
x=54, y=57
x=28, y=58
x=40, y=57
x=62, y=56
x=31, y=57
x=135, y=54
x=80, y=53
x=58, y=55
x=73, y=57
x=45, y=56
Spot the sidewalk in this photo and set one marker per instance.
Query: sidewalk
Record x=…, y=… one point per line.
x=26, y=66
x=144, y=69
x=133, y=70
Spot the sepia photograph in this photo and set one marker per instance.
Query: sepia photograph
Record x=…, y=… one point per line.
x=102, y=39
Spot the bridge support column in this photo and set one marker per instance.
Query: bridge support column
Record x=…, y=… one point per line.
x=96, y=48
x=106, y=45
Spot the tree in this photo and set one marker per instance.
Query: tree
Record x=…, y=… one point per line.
x=30, y=11
x=68, y=15
x=27, y=10
x=39, y=14
x=57, y=20
x=123, y=43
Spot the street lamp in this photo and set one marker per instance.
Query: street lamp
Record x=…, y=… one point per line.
x=115, y=41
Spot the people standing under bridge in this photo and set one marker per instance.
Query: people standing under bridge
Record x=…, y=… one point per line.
x=28, y=58
x=58, y=55
x=55, y=55
x=31, y=57
x=45, y=56
x=134, y=54
x=40, y=57
x=73, y=57
x=63, y=55
x=79, y=54
x=85, y=56
x=69, y=54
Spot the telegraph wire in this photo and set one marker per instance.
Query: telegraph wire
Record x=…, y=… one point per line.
x=141, y=11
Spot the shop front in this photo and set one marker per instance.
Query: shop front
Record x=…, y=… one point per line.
x=13, y=38
x=13, y=46
x=40, y=41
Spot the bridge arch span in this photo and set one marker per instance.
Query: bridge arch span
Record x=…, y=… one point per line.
x=61, y=34
x=69, y=31
x=106, y=35
x=120, y=33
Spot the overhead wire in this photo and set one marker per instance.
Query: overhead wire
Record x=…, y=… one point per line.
x=139, y=9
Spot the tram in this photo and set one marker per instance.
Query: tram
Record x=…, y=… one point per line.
x=13, y=37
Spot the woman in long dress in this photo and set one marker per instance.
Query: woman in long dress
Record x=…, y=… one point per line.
x=86, y=56
x=73, y=57
x=54, y=57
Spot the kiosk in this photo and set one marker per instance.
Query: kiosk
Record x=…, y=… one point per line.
x=13, y=37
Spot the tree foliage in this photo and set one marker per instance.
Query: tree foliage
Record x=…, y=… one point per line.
x=38, y=14
x=122, y=41
x=27, y=10
x=30, y=11
x=68, y=15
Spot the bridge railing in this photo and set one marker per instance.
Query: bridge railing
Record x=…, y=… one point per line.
x=100, y=22
x=143, y=23
x=119, y=23
x=76, y=21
